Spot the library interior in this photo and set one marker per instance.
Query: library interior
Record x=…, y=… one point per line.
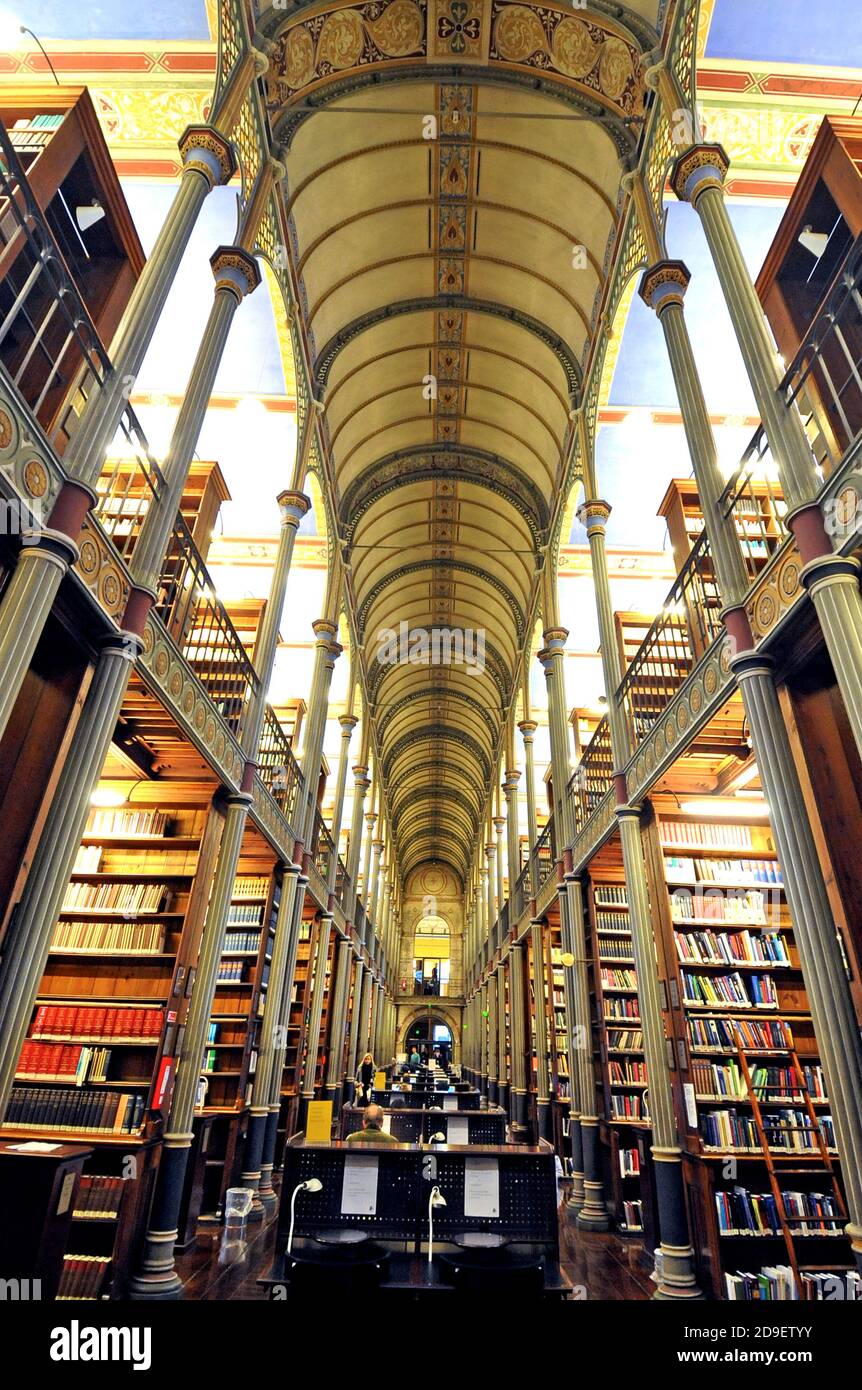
x=430, y=651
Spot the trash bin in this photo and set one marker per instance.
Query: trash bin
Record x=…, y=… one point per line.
x=236, y=1209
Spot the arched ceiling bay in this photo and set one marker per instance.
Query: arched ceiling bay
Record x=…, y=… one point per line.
x=452, y=193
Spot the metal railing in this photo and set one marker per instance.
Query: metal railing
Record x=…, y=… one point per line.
x=277, y=767
x=342, y=882
x=322, y=846
x=544, y=856
x=520, y=896
x=198, y=622
x=48, y=342
x=753, y=501
x=126, y=489
x=592, y=776
x=685, y=628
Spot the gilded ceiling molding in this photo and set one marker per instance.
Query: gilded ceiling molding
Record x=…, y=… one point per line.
x=459, y=303
x=496, y=669
x=446, y=460
x=452, y=566
x=440, y=732
x=438, y=692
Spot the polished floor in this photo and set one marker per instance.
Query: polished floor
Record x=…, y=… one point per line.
x=601, y=1267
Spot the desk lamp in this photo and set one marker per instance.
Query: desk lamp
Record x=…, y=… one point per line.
x=437, y=1138
x=435, y=1200
x=310, y=1185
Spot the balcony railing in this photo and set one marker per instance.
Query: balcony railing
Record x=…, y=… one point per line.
x=685, y=628
x=198, y=622
x=48, y=342
x=322, y=847
x=277, y=766
x=754, y=501
x=544, y=856
x=521, y=895
x=592, y=776
x=342, y=882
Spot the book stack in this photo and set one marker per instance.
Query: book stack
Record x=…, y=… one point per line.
x=125, y=825
x=98, y=1198
x=88, y=1023
x=114, y=897
x=70, y=1062
x=93, y=1112
x=776, y=1283
x=83, y=1276
x=744, y=1213
x=89, y=938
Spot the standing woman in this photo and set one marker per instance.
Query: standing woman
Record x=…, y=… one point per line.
x=365, y=1079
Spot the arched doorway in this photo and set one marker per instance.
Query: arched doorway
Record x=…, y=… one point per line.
x=430, y=1033
x=431, y=957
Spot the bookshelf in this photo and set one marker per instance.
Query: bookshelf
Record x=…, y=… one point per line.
x=559, y=1041
x=761, y=1163
x=233, y=1037
x=618, y=1051
x=296, y=1025
x=98, y=1063
x=758, y=519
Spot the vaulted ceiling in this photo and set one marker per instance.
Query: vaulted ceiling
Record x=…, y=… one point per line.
x=453, y=190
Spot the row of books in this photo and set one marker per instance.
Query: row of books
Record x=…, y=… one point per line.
x=630, y=1163
x=89, y=1023
x=621, y=1008
x=615, y=949
x=627, y=1072
x=629, y=1107
x=114, y=897
x=775, y=1283
x=103, y=1112
x=633, y=1216
x=744, y=905
x=98, y=1197
x=126, y=824
x=625, y=1039
x=752, y=992
x=242, y=941
x=787, y=1131
x=724, y=1079
x=727, y=947
x=685, y=870
x=754, y=1035
x=744, y=1213
x=70, y=1062
x=245, y=915
x=712, y=834
x=92, y=938
x=619, y=979
x=83, y=1276
x=88, y=859
x=251, y=886
x=230, y=972
x=613, y=893
x=611, y=922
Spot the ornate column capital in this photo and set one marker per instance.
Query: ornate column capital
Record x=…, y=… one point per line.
x=499, y=823
x=593, y=515
x=348, y=723
x=664, y=283
x=206, y=150
x=528, y=727
x=235, y=270
x=699, y=168
x=511, y=780
x=293, y=507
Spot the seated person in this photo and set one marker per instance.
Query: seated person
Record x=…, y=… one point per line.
x=372, y=1131
x=402, y=1084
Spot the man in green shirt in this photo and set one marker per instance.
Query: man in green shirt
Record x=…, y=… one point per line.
x=372, y=1131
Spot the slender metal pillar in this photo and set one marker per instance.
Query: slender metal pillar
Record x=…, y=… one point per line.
x=334, y=1083
x=493, y=1041
x=502, y=1050
x=318, y=996
x=592, y=1207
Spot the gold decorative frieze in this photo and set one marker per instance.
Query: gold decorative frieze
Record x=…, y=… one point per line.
x=776, y=592
x=101, y=570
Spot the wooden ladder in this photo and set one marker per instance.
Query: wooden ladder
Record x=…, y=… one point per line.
x=801, y=1088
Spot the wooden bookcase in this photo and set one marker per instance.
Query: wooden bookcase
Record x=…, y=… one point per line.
x=758, y=519
x=735, y=1001
x=297, y=1020
x=558, y=1036
x=233, y=1038
x=618, y=1041
x=99, y=1060
x=59, y=141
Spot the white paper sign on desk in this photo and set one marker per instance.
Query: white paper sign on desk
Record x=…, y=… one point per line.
x=387, y=1124
x=481, y=1187
x=359, y=1191
x=450, y=1102
x=458, y=1130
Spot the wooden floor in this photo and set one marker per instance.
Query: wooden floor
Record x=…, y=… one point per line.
x=605, y=1267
